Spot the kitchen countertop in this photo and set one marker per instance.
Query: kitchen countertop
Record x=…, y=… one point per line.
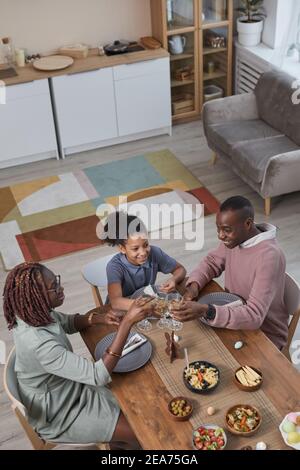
x=92, y=62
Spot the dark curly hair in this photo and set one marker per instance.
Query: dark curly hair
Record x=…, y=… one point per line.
x=240, y=204
x=120, y=226
x=25, y=296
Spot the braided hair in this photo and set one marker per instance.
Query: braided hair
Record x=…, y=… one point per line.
x=25, y=296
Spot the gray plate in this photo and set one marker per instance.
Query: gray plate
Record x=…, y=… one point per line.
x=219, y=298
x=133, y=360
x=140, y=292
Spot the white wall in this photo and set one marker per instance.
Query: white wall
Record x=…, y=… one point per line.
x=44, y=25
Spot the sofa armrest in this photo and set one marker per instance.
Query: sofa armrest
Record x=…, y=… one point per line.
x=233, y=108
x=282, y=174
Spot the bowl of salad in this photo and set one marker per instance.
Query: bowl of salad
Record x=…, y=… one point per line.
x=243, y=420
x=209, y=437
x=201, y=377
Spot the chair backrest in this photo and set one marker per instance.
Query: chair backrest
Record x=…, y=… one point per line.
x=11, y=383
x=292, y=302
x=291, y=294
x=12, y=389
x=274, y=98
x=95, y=272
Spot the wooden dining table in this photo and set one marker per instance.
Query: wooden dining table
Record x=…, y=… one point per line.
x=144, y=398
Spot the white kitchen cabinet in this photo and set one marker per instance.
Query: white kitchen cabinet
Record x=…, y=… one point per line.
x=85, y=109
x=143, y=99
x=27, y=131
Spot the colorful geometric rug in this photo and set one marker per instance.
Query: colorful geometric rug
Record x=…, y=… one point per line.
x=56, y=215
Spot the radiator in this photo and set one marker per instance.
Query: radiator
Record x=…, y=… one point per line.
x=248, y=69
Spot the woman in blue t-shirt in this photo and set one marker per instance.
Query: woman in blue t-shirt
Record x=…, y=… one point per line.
x=137, y=263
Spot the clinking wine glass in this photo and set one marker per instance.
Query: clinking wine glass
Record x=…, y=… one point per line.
x=167, y=321
x=173, y=298
x=144, y=325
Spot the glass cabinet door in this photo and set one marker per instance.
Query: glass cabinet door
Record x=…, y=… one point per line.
x=215, y=63
x=214, y=11
x=183, y=72
x=180, y=14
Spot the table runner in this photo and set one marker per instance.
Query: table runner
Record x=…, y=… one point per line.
x=203, y=344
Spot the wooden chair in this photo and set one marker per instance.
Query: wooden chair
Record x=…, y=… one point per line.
x=95, y=274
x=12, y=389
x=292, y=302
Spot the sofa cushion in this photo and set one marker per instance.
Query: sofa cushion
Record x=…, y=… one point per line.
x=274, y=92
x=227, y=135
x=252, y=157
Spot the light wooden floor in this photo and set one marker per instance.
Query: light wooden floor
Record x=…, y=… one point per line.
x=189, y=145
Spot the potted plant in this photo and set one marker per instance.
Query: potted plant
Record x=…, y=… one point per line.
x=250, y=23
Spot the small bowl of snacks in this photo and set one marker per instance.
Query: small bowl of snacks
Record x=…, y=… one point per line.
x=248, y=379
x=290, y=430
x=180, y=408
x=209, y=437
x=243, y=420
x=201, y=377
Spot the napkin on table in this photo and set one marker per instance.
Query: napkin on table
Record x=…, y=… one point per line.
x=134, y=342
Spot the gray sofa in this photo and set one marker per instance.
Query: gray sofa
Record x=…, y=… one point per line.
x=258, y=135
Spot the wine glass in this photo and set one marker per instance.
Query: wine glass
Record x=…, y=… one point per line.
x=173, y=325
x=164, y=320
x=144, y=325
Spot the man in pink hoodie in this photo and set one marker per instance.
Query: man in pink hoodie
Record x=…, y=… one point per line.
x=254, y=268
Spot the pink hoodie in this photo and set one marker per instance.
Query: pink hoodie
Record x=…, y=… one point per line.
x=255, y=271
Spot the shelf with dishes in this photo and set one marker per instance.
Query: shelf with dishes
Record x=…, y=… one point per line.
x=214, y=24
x=213, y=75
x=183, y=101
x=213, y=50
x=187, y=29
x=183, y=56
x=177, y=83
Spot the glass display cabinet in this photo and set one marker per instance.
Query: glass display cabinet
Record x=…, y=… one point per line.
x=198, y=36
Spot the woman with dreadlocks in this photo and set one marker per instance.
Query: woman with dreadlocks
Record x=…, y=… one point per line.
x=65, y=394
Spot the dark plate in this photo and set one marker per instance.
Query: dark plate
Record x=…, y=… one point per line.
x=196, y=390
x=133, y=360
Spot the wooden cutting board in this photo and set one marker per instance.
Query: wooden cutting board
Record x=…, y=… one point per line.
x=150, y=43
x=53, y=62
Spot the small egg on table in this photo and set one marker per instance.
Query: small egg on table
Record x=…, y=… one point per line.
x=211, y=410
x=238, y=345
x=292, y=417
x=288, y=426
x=261, y=446
x=293, y=437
